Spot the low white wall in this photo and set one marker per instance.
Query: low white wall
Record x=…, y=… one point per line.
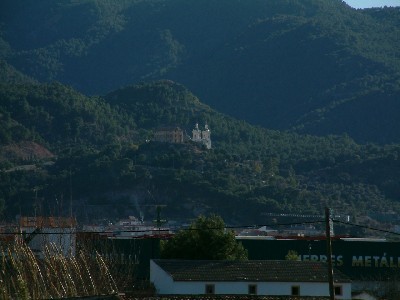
x=166, y=286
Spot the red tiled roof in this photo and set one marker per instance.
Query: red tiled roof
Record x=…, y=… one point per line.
x=47, y=222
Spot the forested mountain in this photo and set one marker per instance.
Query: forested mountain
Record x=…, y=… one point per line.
x=313, y=66
x=84, y=86
x=62, y=148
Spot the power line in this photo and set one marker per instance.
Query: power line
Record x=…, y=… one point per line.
x=367, y=227
x=253, y=226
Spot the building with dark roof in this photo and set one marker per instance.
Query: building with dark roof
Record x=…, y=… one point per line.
x=169, y=135
x=372, y=264
x=252, y=277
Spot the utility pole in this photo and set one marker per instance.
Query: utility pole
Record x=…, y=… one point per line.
x=159, y=222
x=329, y=253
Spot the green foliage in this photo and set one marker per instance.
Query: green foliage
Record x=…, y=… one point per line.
x=292, y=255
x=314, y=66
x=100, y=150
x=206, y=238
x=8, y=74
x=59, y=114
x=159, y=103
x=302, y=65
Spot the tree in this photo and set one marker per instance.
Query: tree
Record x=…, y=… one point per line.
x=206, y=238
x=292, y=255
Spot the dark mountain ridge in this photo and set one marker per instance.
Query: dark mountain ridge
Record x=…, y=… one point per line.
x=302, y=67
x=312, y=66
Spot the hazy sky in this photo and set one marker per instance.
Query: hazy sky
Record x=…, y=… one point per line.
x=372, y=3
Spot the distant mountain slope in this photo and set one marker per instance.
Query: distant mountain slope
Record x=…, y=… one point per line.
x=58, y=116
x=314, y=66
x=8, y=74
x=161, y=103
x=57, y=144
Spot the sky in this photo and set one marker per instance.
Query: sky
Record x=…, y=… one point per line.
x=372, y=3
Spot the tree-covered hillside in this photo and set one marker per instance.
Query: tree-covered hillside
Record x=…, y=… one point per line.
x=58, y=116
x=98, y=154
x=314, y=66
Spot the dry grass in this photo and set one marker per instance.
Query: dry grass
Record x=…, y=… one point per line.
x=24, y=276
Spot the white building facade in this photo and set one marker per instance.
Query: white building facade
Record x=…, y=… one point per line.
x=202, y=136
x=169, y=279
x=49, y=234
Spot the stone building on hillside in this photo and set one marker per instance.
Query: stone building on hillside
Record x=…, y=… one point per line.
x=176, y=135
x=169, y=135
x=202, y=136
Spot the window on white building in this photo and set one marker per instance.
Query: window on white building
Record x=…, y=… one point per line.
x=338, y=290
x=295, y=290
x=252, y=289
x=210, y=289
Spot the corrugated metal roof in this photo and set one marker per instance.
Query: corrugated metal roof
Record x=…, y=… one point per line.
x=250, y=270
x=225, y=297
